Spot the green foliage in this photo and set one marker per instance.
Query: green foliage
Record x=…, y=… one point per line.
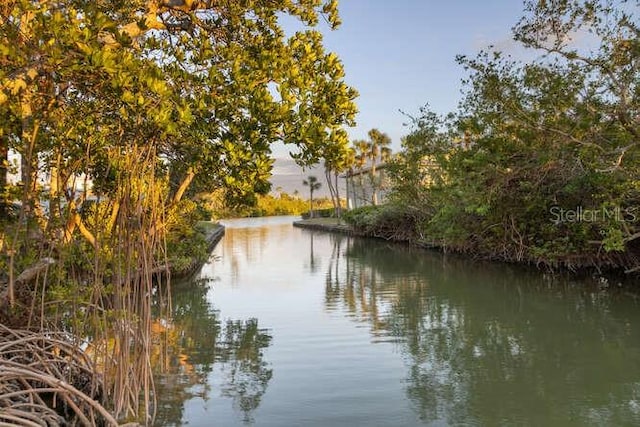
x=312, y=183
x=540, y=163
x=142, y=105
x=321, y=213
x=362, y=218
x=186, y=243
x=283, y=204
x=262, y=205
x=87, y=81
x=388, y=221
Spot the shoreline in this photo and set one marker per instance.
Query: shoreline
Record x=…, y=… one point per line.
x=331, y=225
x=213, y=232
x=326, y=224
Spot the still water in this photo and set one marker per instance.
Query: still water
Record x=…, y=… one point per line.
x=291, y=327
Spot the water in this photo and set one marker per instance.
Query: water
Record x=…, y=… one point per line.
x=289, y=327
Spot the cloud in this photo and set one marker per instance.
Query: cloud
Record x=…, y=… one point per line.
x=505, y=44
x=580, y=39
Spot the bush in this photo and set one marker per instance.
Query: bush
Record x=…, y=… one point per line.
x=389, y=221
x=320, y=213
x=362, y=218
x=186, y=244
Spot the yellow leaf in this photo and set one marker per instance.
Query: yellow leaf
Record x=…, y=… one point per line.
x=32, y=73
x=16, y=85
x=84, y=48
x=3, y=98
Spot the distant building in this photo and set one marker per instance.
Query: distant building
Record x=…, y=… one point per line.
x=363, y=187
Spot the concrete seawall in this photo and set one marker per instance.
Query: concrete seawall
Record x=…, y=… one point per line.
x=325, y=224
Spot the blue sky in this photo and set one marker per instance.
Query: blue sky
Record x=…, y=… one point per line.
x=400, y=55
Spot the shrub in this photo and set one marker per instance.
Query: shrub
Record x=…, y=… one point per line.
x=362, y=218
x=320, y=213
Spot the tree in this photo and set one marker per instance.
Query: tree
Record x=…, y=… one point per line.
x=372, y=151
x=533, y=140
x=4, y=168
x=377, y=150
x=150, y=101
x=206, y=108
x=415, y=172
x=336, y=160
x=313, y=184
x=359, y=164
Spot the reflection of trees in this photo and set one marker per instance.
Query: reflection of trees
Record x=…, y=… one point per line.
x=358, y=290
x=243, y=245
x=247, y=374
x=486, y=345
x=194, y=343
x=313, y=259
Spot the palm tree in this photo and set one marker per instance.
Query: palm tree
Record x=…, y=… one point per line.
x=359, y=162
x=377, y=150
x=313, y=184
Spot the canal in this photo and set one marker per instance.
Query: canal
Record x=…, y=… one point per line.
x=292, y=327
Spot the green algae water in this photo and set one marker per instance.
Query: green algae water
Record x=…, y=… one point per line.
x=292, y=327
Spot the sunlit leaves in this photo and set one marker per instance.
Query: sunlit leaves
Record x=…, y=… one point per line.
x=209, y=90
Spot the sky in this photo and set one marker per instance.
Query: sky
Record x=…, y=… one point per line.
x=400, y=55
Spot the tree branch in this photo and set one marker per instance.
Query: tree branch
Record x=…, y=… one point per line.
x=183, y=186
x=31, y=272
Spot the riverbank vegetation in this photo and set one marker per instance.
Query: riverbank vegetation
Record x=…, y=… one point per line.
x=282, y=203
x=120, y=113
x=540, y=162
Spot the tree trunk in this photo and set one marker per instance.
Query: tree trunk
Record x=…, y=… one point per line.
x=28, y=137
x=115, y=209
x=362, y=189
x=55, y=212
x=4, y=183
x=28, y=133
x=374, y=186
x=338, y=205
x=186, y=182
x=75, y=220
x=332, y=191
x=346, y=183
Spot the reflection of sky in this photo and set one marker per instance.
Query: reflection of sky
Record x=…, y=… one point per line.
x=400, y=55
x=410, y=337
x=268, y=274
x=252, y=257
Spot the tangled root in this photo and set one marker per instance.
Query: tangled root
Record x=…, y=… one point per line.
x=46, y=380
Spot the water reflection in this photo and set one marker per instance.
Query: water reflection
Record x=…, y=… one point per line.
x=247, y=375
x=489, y=344
x=314, y=263
x=369, y=333
x=199, y=350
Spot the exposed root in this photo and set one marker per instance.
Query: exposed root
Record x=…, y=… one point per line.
x=46, y=380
